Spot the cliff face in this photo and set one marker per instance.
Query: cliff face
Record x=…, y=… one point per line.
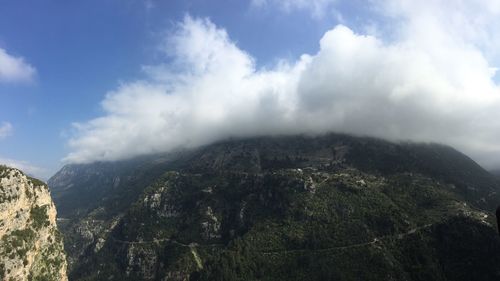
x=31, y=247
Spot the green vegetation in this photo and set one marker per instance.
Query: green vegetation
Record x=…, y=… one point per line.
x=39, y=216
x=7, y=198
x=48, y=263
x=18, y=242
x=292, y=208
x=24, y=239
x=3, y=170
x=37, y=182
x=285, y=232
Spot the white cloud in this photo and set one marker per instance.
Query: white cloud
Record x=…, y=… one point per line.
x=430, y=82
x=317, y=8
x=26, y=167
x=5, y=129
x=14, y=69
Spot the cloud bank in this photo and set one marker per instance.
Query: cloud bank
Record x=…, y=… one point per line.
x=5, y=130
x=14, y=69
x=432, y=80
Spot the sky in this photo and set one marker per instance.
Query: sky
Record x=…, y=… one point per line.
x=102, y=80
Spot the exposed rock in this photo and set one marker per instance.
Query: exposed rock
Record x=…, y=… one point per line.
x=361, y=183
x=176, y=276
x=159, y=202
x=89, y=234
x=31, y=247
x=211, y=225
x=98, y=245
x=309, y=185
x=141, y=259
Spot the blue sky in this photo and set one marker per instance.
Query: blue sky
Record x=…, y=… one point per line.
x=83, y=49
x=299, y=60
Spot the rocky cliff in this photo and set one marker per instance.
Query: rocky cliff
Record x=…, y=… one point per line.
x=31, y=247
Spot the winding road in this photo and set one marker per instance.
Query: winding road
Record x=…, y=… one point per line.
x=194, y=245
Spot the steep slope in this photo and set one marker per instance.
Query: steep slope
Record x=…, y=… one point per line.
x=78, y=189
x=90, y=197
x=330, y=207
x=31, y=248
x=495, y=173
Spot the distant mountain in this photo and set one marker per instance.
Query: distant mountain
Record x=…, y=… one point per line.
x=333, y=207
x=496, y=173
x=31, y=247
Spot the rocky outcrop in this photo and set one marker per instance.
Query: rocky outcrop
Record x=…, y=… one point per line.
x=31, y=247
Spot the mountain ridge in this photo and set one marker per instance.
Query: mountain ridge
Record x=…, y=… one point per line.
x=209, y=211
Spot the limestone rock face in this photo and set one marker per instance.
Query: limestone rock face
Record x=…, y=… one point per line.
x=31, y=247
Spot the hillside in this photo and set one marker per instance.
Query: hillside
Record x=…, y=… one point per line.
x=31, y=247
x=328, y=207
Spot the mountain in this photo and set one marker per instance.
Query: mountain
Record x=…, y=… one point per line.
x=31, y=247
x=332, y=207
x=496, y=173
